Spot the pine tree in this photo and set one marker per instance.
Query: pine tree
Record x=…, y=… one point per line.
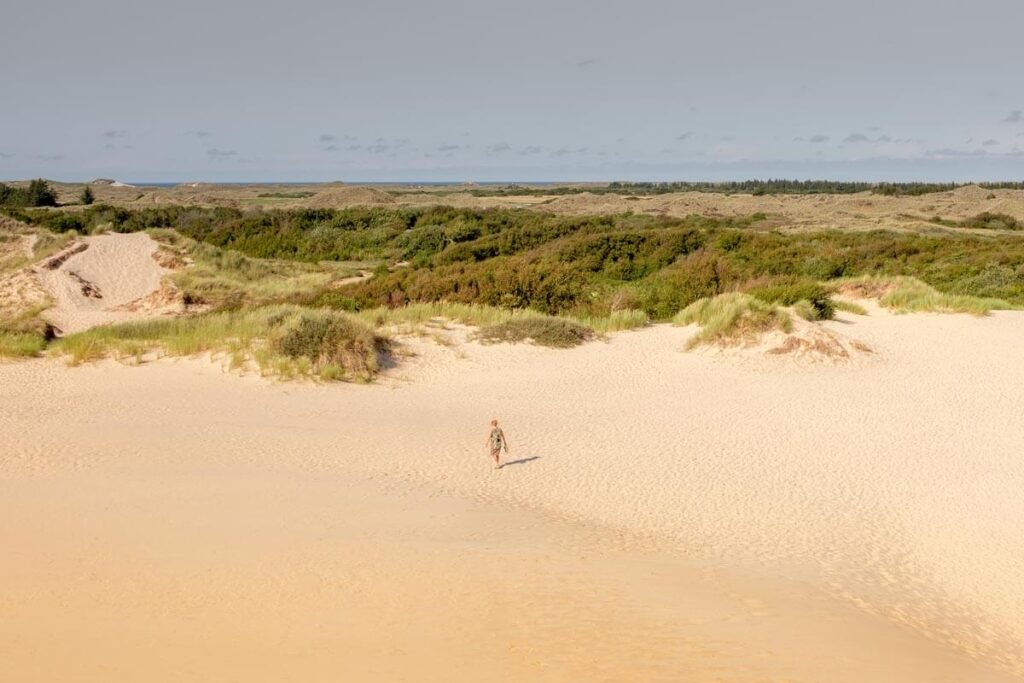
x=41, y=194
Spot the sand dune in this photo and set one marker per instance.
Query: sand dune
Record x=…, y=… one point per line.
x=880, y=497
x=105, y=279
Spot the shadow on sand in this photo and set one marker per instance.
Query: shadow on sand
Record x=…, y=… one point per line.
x=521, y=461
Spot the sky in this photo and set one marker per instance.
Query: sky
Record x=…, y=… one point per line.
x=516, y=90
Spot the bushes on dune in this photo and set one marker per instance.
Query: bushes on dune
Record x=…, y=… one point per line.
x=813, y=299
x=579, y=266
x=335, y=344
x=992, y=221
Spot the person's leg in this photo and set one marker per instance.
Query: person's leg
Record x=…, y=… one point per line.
x=496, y=454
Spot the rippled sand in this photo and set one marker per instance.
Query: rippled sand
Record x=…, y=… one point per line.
x=674, y=516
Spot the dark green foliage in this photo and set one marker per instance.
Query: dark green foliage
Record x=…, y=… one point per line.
x=38, y=193
x=87, y=196
x=585, y=265
x=992, y=221
x=789, y=291
x=541, y=330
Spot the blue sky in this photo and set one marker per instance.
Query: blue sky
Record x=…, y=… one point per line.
x=556, y=90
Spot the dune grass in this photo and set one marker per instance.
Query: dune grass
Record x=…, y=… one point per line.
x=732, y=318
x=23, y=334
x=910, y=295
x=478, y=315
x=849, y=307
x=21, y=344
x=542, y=330
x=282, y=341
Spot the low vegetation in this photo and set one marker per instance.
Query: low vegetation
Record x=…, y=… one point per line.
x=734, y=318
x=910, y=295
x=281, y=341
x=505, y=270
x=23, y=334
x=543, y=330
x=755, y=187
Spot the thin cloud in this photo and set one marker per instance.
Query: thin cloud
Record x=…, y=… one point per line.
x=332, y=148
x=727, y=138
x=115, y=134
x=947, y=152
x=448, y=148
x=49, y=157
x=327, y=137
x=883, y=138
x=531, y=150
x=561, y=152
x=991, y=142
x=221, y=153
x=498, y=148
x=818, y=139
x=1015, y=116
x=684, y=136
x=199, y=133
x=856, y=137
x=586, y=63
x=6, y=155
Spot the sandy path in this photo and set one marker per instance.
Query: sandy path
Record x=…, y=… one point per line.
x=105, y=283
x=893, y=484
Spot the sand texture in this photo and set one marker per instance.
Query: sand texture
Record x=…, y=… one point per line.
x=106, y=279
x=669, y=515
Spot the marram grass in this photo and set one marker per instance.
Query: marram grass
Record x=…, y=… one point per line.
x=732, y=318
x=284, y=341
x=910, y=295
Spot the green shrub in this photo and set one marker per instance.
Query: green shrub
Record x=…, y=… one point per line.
x=790, y=292
x=541, y=330
x=87, y=196
x=329, y=339
x=992, y=221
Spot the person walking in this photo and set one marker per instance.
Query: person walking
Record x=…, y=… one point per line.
x=496, y=441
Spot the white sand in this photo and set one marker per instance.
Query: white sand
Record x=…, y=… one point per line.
x=892, y=483
x=120, y=272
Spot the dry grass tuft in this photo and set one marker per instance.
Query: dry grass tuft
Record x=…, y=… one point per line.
x=732, y=319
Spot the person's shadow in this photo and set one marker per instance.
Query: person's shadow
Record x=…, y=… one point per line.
x=521, y=461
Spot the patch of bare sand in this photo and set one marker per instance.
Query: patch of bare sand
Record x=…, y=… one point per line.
x=106, y=279
x=891, y=486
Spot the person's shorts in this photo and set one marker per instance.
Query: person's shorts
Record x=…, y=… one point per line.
x=495, y=452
